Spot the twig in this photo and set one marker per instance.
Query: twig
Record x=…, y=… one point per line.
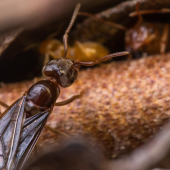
x=6, y=39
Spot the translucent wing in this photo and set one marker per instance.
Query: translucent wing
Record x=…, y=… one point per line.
x=11, y=122
x=30, y=133
x=18, y=135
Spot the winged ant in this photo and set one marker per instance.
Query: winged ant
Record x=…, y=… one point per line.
x=21, y=124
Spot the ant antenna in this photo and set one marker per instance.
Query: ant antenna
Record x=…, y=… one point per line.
x=65, y=37
x=78, y=63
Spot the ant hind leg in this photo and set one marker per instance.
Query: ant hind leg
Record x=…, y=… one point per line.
x=56, y=132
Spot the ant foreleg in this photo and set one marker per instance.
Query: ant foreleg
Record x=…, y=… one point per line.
x=68, y=100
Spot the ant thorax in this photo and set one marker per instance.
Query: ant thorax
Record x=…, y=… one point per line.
x=41, y=96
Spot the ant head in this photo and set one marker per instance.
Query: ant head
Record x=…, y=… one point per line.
x=62, y=70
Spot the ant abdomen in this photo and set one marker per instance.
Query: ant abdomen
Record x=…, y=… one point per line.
x=41, y=96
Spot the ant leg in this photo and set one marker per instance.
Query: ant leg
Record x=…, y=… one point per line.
x=153, y=11
x=61, y=104
x=68, y=100
x=149, y=39
x=56, y=132
x=140, y=18
x=164, y=39
x=56, y=104
x=46, y=58
x=3, y=104
x=29, y=47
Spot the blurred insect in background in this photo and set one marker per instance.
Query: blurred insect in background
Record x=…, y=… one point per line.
x=22, y=123
x=143, y=37
x=85, y=51
x=147, y=37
